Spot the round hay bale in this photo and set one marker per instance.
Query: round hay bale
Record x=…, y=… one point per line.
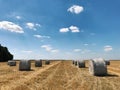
x=107, y=62
x=47, y=62
x=98, y=67
x=38, y=63
x=75, y=62
x=25, y=65
x=12, y=63
x=81, y=64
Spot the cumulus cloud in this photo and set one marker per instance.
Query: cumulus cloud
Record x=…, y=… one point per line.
x=10, y=26
x=38, y=25
x=49, y=48
x=75, y=9
x=64, y=30
x=32, y=26
x=108, y=48
x=73, y=29
x=41, y=37
x=77, y=50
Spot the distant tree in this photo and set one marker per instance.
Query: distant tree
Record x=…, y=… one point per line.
x=5, y=55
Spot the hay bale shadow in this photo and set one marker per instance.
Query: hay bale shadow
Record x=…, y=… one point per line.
x=112, y=75
x=83, y=67
x=28, y=70
x=109, y=75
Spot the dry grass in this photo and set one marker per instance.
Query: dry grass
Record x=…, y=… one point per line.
x=59, y=75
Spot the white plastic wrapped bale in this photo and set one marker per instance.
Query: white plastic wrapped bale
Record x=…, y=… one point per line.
x=12, y=63
x=107, y=62
x=75, y=62
x=25, y=65
x=81, y=64
x=47, y=62
x=38, y=63
x=98, y=67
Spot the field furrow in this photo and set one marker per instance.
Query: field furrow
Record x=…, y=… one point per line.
x=59, y=75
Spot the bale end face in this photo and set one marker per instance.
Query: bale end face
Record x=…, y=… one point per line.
x=98, y=68
x=25, y=65
x=47, y=62
x=38, y=63
x=81, y=64
x=11, y=63
x=75, y=62
x=107, y=62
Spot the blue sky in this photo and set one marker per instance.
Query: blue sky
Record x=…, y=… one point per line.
x=60, y=29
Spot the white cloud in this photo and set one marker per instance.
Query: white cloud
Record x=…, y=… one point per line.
x=64, y=30
x=32, y=25
x=75, y=9
x=49, y=48
x=18, y=17
x=40, y=36
x=27, y=51
x=55, y=51
x=38, y=25
x=77, y=50
x=108, y=48
x=85, y=51
x=74, y=29
x=10, y=26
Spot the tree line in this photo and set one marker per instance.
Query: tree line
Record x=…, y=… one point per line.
x=5, y=55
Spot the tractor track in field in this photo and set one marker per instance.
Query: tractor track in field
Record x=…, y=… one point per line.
x=12, y=73
x=42, y=79
x=84, y=81
x=114, y=70
x=54, y=78
x=25, y=78
x=61, y=75
x=110, y=84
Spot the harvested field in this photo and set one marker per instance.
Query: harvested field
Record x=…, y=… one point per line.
x=59, y=75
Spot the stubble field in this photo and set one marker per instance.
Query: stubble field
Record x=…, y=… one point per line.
x=59, y=75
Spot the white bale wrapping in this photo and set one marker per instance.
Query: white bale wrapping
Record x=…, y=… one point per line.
x=98, y=67
x=25, y=65
x=12, y=63
x=38, y=63
x=81, y=64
